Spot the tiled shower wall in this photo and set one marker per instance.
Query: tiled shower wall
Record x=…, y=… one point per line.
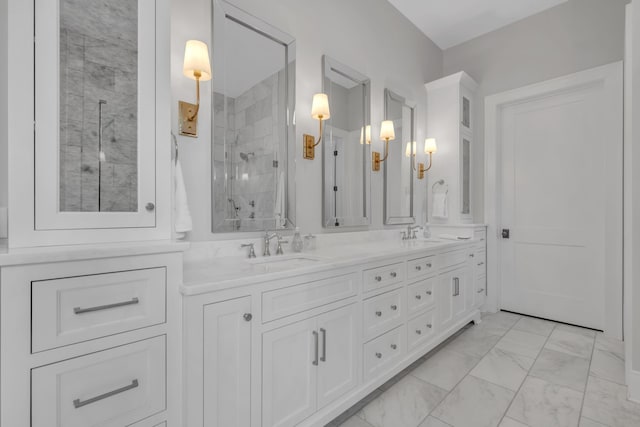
x=249, y=154
x=98, y=61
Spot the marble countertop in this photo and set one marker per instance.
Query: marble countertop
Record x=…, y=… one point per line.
x=36, y=255
x=224, y=272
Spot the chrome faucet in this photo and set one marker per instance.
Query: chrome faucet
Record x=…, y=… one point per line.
x=279, y=251
x=411, y=232
x=267, y=240
x=252, y=252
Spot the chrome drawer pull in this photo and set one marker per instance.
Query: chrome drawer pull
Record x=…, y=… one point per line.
x=393, y=346
x=394, y=307
x=393, y=274
x=418, y=297
x=248, y=317
x=378, y=279
x=315, y=342
x=77, y=403
x=429, y=292
x=418, y=268
x=471, y=255
x=418, y=331
x=481, y=291
x=429, y=325
x=323, y=358
x=429, y=265
x=78, y=310
x=379, y=355
x=480, y=264
x=378, y=313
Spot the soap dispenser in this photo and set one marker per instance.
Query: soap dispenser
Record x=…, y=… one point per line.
x=296, y=243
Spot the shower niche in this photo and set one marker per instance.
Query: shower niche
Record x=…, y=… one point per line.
x=253, y=130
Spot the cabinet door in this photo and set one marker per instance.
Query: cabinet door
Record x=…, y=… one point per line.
x=289, y=373
x=338, y=367
x=227, y=363
x=459, y=284
x=445, y=296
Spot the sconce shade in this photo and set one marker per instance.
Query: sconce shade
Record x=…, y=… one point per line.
x=367, y=135
x=320, y=107
x=411, y=149
x=430, y=146
x=196, y=60
x=386, y=130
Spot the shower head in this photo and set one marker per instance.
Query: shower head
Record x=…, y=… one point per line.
x=245, y=156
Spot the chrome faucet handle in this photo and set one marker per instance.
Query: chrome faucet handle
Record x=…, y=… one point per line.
x=267, y=240
x=279, y=251
x=251, y=246
x=404, y=235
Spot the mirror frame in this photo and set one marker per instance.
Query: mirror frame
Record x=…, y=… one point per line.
x=328, y=220
x=265, y=29
x=389, y=96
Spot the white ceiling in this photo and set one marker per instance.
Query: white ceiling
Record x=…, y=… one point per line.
x=451, y=22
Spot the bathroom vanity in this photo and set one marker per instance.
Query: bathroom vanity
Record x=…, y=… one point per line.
x=296, y=340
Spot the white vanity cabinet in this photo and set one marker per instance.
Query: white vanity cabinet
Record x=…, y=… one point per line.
x=307, y=365
x=90, y=337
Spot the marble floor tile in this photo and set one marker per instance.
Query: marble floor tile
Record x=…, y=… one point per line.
x=570, y=343
x=405, y=404
x=433, y=422
x=586, y=422
x=604, y=342
x=562, y=369
x=523, y=343
x=535, y=326
x=474, y=343
x=474, y=403
x=499, y=322
x=351, y=422
x=504, y=368
x=445, y=369
x=589, y=333
x=542, y=404
x=608, y=365
x=606, y=402
x=510, y=422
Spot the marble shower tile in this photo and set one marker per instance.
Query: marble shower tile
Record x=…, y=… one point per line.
x=570, y=343
x=445, y=369
x=542, y=404
x=535, y=326
x=503, y=368
x=562, y=369
x=474, y=403
x=606, y=402
x=510, y=422
x=608, y=365
x=474, y=343
x=523, y=343
x=405, y=404
x=433, y=422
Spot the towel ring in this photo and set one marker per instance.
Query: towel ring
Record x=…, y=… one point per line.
x=175, y=148
x=441, y=183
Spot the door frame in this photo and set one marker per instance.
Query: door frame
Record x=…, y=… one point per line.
x=611, y=77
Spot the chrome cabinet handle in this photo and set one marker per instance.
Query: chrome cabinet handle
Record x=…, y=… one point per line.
x=150, y=207
x=418, y=331
x=456, y=286
x=480, y=264
x=480, y=291
x=393, y=346
x=394, y=307
x=378, y=313
x=429, y=265
x=378, y=278
x=323, y=358
x=471, y=255
x=379, y=355
x=393, y=274
x=429, y=292
x=429, y=325
x=418, y=268
x=78, y=310
x=77, y=403
x=418, y=297
x=248, y=317
x=315, y=340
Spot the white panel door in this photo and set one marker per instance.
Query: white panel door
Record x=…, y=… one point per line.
x=557, y=175
x=227, y=363
x=338, y=369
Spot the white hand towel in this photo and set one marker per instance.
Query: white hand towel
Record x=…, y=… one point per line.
x=182, y=216
x=440, y=206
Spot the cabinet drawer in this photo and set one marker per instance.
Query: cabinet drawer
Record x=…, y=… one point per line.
x=480, y=235
x=450, y=259
x=295, y=299
x=383, y=312
x=384, y=351
x=383, y=276
x=421, y=329
x=70, y=310
x=421, y=295
x=111, y=388
x=480, y=262
x=481, y=284
x=421, y=267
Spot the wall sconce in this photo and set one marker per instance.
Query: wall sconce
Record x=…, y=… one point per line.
x=430, y=147
x=387, y=133
x=319, y=111
x=198, y=68
x=365, y=135
x=411, y=152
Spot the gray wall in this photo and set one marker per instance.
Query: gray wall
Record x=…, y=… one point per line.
x=370, y=36
x=574, y=36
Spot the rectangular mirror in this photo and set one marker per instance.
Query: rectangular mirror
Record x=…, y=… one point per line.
x=400, y=166
x=253, y=131
x=346, y=146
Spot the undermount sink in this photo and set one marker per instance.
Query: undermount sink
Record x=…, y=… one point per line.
x=284, y=262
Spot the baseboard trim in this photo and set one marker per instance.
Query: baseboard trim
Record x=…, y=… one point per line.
x=633, y=383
